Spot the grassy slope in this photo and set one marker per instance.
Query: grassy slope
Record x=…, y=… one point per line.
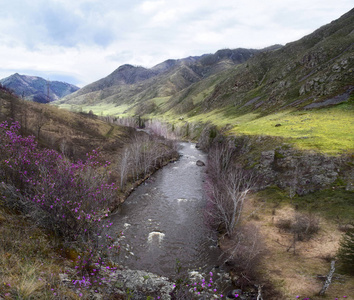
x=31, y=259
x=329, y=130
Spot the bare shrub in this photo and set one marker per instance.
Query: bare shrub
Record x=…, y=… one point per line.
x=227, y=188
x=244, y=250
x=345, y=227
x=302, y=228
x=305, y=226
x=284, y=224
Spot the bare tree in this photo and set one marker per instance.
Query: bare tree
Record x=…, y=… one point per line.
x=40, y=121
x=219, y=158
x=228, y=194
x=228, y=186
x=124, y=167
x=239, y=183
x=63, y=146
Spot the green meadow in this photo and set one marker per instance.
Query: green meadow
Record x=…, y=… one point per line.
x=327, y=130
x=102, y=109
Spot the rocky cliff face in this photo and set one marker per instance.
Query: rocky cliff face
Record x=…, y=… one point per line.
x=278, y=164
x=36, y=88
x=302, y=172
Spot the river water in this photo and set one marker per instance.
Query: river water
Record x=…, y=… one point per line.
x=163, y=220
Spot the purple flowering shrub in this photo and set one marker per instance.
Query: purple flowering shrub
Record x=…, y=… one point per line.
x=69, y=198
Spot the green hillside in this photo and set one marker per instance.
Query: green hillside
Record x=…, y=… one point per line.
x=306, y=88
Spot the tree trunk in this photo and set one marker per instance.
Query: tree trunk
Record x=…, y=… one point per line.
x=329, y=278
x=259, y=297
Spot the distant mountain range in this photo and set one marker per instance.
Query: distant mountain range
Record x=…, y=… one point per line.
x=135, y=84
x=315, y=71
x=36, y=88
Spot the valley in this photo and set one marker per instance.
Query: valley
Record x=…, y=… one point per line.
x=265, y=211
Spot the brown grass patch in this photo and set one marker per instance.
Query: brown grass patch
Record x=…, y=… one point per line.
x=297, y=274
x=29, y=263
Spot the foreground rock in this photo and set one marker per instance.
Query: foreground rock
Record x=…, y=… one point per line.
x=124, y=283
x=138, y=284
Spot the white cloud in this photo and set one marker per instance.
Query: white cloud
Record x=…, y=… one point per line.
x=88, y=39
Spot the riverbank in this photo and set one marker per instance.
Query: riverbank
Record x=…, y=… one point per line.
x=130, y=188
x=50, y=270
x=294, y=190
x=34, y=261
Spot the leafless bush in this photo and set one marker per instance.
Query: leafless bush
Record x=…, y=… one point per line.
x=345, y=227
x=244, y=250
x=227, y=187
x=302, y=228
x=284, y=224
x=305, y=226
x=141, y=157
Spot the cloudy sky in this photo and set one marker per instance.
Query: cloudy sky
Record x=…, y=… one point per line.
x=81, y=41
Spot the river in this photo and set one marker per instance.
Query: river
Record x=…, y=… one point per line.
x=163, y=220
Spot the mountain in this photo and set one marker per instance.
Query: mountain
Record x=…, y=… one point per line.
x=135, y=84
x=36, y=88
x=313, y=72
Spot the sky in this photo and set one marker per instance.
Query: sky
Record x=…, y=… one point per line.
x=81, y=41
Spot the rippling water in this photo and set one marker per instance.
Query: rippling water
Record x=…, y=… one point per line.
x=163, y=220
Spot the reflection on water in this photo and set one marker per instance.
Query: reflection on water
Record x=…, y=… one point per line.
x=163, y=220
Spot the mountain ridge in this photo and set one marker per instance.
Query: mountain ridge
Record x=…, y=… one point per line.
x=37, y=89
x=312, y=72
x=165, y=78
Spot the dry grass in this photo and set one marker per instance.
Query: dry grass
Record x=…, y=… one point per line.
x=296, y=274
x=72, y=134
x=29, y=264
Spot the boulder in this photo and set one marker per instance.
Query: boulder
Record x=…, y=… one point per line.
x=200, y=163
